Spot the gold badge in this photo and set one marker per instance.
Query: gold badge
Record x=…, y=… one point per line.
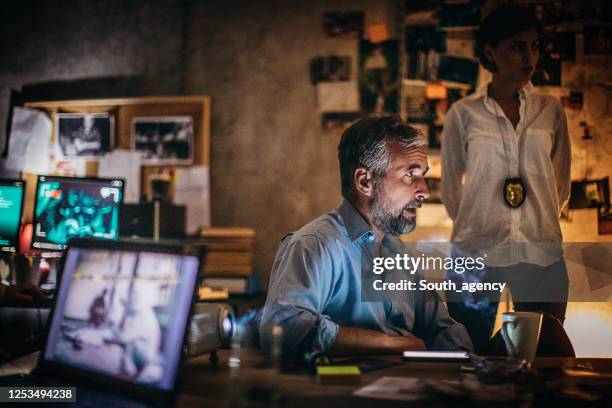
x=514, y=192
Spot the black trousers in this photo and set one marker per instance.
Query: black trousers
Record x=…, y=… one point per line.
x=534, y=288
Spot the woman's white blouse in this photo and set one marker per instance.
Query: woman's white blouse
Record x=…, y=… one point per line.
x=474, y=168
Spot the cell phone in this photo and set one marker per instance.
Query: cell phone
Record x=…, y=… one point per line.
x=444, y=356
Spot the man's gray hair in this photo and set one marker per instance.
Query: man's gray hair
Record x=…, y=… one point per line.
x=366, y=144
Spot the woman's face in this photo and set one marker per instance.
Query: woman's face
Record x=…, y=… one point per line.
x=516, y=57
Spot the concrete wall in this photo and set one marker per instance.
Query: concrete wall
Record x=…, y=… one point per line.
x=273, y=168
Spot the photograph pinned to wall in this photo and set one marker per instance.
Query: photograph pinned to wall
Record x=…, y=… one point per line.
x=548, y=71
x=460, y=15
x=343, y=22
x=561, y=45
x=416, y=106
x=378, y=73
x=548, y=12
x=378, y=33
x=331, y=68
x=573, y=101
x=338, y=96
x=85, y=134
x=338, y=120
x=423, y=46
x=435, y=136
x=163, y=139
x=597, y=40
x=457, y=69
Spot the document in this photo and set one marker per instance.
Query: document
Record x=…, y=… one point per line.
x=123, y=164
x=393, y=388
x=30, y=144
x=192, y=189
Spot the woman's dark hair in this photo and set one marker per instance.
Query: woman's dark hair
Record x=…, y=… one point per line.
x=499, y=25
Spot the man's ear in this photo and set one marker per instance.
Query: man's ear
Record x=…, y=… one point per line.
x=364, y=182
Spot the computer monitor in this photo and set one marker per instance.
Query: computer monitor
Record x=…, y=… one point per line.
x=11, y=207
x=68, y=207
x=121, y=313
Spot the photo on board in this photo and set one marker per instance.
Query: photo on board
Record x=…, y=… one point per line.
x=163, y=139
x=85, y=134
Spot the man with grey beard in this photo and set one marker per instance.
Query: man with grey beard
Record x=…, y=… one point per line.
x=316, y=281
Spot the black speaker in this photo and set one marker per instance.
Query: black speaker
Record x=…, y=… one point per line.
x=138, y=220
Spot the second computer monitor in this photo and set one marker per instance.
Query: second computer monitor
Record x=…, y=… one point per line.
x=11, y=205
x=69, y=207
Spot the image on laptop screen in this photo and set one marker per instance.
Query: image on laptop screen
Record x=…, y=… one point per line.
x=123, y=314
x=74, y=207
x=11, y=204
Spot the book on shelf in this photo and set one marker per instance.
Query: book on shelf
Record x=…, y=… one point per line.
x=229, y=251
x=220, y=233
x=209, y=293
x=235, y=285
x=229, y=257
x=231, y=270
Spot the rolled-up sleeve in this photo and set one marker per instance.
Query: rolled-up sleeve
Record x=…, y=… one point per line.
x=561, y=157
x=301, y=284
x=453, y=162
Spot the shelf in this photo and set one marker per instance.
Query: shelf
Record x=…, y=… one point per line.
x=448, y=84
x=459, y=29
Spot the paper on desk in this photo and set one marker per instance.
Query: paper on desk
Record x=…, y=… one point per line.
x=30, y=144
x=192, y=189
x=124, y=164
x=393, y=388
x=22, y=365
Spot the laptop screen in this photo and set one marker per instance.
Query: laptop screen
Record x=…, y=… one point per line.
x=123, y=314
x=75, y=208
x=11, y=204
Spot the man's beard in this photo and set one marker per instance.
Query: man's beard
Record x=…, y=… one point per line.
x=386, y=218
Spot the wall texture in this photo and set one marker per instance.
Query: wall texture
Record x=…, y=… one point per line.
x=63, y=49
x=273, y=168
x=272, y=165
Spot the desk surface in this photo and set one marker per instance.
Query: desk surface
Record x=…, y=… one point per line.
x=206, y=385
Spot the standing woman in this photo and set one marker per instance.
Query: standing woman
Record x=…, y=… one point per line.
x=505, y=178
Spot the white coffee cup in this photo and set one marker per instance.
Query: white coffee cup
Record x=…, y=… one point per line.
x=521, y=333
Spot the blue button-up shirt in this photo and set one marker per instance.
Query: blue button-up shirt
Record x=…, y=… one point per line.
x=315, y=287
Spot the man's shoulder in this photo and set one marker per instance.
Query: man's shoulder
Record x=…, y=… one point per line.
x=326, y=231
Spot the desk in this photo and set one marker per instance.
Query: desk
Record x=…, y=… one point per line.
x=206, y=386
x=203, y=385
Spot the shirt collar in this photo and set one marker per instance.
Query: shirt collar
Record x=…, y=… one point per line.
x=355, y=224
x=482, y=92
x=526, y=90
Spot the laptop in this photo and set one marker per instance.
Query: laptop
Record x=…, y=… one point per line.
x=118, y=326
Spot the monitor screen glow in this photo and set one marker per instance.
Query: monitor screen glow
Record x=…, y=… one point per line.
x=75, y=208
x=123, y=314
x=11, y=203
